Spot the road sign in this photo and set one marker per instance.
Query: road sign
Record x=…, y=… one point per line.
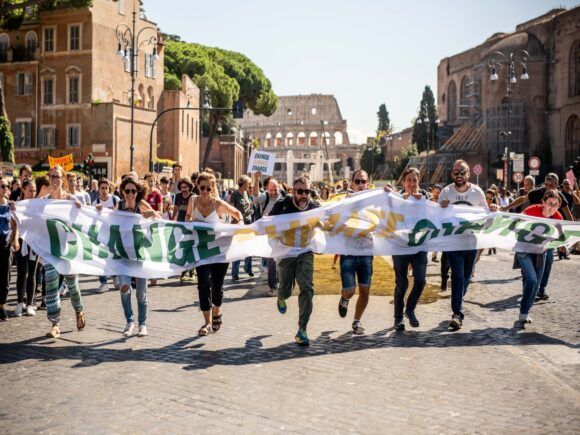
x=477, y=169
x=518, y=177
x=534, y=163
x=534, y=172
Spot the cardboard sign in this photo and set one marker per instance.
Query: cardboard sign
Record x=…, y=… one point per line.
x=571, y=178
x=7, y=170
x=261, y=161
x=65, y=161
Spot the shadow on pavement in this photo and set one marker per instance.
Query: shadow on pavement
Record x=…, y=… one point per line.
x=194, y=357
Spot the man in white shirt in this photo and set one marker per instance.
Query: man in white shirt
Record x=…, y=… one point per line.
x=461, y=192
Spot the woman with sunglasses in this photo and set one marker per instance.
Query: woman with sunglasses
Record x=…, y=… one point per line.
x=207, y=207
x=133, y=193
x=57, y=179
x=8, y=240
x=533, y=264
x=26, y=263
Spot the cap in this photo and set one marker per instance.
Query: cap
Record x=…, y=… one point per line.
x=552, y=177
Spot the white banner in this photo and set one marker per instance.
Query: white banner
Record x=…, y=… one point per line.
x=87, y=241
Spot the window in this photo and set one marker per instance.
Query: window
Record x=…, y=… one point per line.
x=23, y=84
x=74, y=37
x=451, y=102
x=150, y=98
x=464, y=98
x=73, y=135
x=313, y=139
x=23, y=134
x=289, y=139
x=574, y=67
x=47, y=135
x=140, y=96
x=150, y=66
x=4, y=44
x=48, y=91
x=301, y=138
x=572, y=146
x=74, y=90
x=31, y=44
x=128, y=58
x=313, y=111
x=121, y=7
x=2, y=82
x=48, y=39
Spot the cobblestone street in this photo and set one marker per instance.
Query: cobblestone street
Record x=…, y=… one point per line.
x=491, y=376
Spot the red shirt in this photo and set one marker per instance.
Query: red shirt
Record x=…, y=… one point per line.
x=536, y=210
x=154, y=199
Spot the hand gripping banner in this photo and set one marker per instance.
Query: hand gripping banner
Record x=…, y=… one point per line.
x=87, y=241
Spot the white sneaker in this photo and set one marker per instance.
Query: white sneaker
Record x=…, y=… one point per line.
x=142, y=331
x=129, y=329
x=116, y=283
x=525, y=318
x=19, y=309
x=103, y=288
x=30, y=310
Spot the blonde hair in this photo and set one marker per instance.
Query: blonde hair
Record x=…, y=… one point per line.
x=210, y=178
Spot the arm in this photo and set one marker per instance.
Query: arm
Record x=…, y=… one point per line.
x=256, y=188
x=521, y=200
x=567, y=213
x=223, y=207
x=14, y=236
x=189, y=212
x=175, y=211
x=147, y=211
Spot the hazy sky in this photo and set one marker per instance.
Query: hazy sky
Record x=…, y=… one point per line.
x=363, y=52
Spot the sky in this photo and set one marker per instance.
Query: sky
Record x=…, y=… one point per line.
x=364, y=52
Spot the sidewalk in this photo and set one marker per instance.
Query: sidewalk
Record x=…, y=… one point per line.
x=250, y=376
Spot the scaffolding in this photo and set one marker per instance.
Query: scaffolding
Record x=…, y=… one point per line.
x=498, y=122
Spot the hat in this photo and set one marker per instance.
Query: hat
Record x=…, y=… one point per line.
x=552, y=177
x=438, y=186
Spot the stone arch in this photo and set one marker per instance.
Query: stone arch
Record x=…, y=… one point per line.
x=141, y=96
x=268, y=141
x=572, y=142
x=338, y=139
x=31, y=39
x=452, y=102
x=150, y=98
x=278, y=140
x=574, y=68
x=4, y=45
x=464, y=98
x=313, y=139
x=301, y=139
x=289, y=139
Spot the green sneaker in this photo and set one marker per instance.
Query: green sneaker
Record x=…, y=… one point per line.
x=281, y=306
x=301, y=337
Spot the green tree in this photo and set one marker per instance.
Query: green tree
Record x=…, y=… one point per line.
x=13, y=12
x=384, y=120
x=372, y=157
x=427, y=117
x=229, y=76
x=406, y=154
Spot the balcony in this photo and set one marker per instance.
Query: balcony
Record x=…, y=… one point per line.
x=19, y=54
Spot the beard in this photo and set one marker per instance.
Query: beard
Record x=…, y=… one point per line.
x=301, y=202
x=460, y=183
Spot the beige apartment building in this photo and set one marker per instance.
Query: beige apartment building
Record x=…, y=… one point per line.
x=68, y=91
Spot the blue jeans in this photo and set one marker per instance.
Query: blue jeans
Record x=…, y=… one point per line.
x=103, y=279
x=401, y=263
x=548, y=261
x=359, y=266
x=141, y=298
x=461, y=263
x=247, y=266
x=532, y=270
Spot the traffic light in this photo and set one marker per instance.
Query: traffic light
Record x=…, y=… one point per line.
x=238, y=109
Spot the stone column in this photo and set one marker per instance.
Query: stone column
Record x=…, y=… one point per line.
x=289, y=167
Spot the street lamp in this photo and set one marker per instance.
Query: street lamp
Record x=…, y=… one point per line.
x=206, y=106
x=510, y=62
x=128, y=50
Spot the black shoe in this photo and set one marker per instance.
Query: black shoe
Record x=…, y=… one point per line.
x=443, y=285
x=251, y=274
x=3, y=315
x=342, y=307
x=456, y=322
x=42, y=305
x=413, y=321
x=400, y=324
x=542, y=297
x=235, y=278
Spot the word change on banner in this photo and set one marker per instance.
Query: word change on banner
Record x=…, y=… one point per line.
x=66, y=162
x=85, y=240
x=261, y=161
x=7, y=169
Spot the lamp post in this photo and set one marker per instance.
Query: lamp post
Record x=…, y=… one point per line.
x=206, y=106
x=510, y=61
x=128, y=49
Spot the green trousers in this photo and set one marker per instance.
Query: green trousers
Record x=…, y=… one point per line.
x=300, y=270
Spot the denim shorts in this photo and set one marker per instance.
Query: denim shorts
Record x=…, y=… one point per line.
x=359, y=265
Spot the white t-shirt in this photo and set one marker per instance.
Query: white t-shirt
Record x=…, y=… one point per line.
x=109, y=203
x=83, y=197
x=473, y=196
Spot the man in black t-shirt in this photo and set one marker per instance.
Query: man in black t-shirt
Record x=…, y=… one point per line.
x=24, y=173
x=300, y=268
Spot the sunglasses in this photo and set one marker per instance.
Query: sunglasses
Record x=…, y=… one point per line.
x=204, y=188
x=130, y=191
x=55, y=177
x=462, y=172
x=3, y=186
x=359, y=181
x=303, y=191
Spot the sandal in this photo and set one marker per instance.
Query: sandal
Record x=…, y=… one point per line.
x=204, y=330
x=81, y=321
x=54, y=332
x=216, y=322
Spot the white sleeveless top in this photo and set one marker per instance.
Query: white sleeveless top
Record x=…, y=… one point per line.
x=210, y=218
